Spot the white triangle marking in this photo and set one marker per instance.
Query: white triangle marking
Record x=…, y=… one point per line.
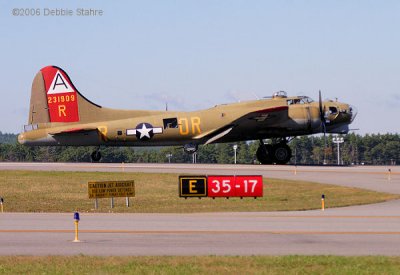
x=59, y=85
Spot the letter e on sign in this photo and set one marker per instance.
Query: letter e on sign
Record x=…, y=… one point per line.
x=192, y=186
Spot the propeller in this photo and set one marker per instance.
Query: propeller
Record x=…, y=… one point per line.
x=323, y=121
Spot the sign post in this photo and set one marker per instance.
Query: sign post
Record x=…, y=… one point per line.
x=338, y=140
x=234, y=149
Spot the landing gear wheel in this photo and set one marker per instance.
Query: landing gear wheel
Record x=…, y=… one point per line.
x=281, y=153
x=96, y=156
x=263, y=154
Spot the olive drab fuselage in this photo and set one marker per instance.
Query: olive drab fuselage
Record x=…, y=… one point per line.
x=60, y=115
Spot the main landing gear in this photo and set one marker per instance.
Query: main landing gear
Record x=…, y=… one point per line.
x=279, y=153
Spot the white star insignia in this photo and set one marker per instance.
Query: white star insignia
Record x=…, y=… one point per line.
x=144, y=132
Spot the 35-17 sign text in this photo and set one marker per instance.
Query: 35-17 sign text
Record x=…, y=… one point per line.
x=221, y=186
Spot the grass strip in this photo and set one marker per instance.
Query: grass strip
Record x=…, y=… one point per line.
x=38, y=191
x=199, y=265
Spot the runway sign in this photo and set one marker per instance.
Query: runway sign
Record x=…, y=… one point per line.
x=235, y=186
x=111, y=189
x=221, y=186
x=192, y=186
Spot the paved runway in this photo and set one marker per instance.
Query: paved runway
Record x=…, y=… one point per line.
x=358, y=230
x=363, y=230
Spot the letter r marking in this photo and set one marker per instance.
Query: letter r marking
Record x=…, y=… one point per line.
x=61, y=110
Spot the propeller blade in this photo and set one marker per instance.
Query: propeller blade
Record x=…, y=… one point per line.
x=321, y=111
x=322, y=117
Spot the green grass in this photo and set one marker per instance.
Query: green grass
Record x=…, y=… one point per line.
x=34, y=191
x=200, y=265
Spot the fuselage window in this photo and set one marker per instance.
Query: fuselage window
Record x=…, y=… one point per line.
x=333, y=110
x=170, y=123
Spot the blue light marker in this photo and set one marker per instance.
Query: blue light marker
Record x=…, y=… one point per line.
x=76, y=218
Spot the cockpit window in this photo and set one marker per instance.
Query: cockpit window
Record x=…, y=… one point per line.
x=306, y=99
x=293, y=101
x=300, y=100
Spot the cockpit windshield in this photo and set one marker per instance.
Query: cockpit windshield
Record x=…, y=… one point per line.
x=307, y=99
x=300, y=100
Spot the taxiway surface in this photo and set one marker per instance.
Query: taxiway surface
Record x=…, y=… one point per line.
x=357, y=230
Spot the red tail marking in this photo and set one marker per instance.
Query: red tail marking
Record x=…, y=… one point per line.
x=62, y=98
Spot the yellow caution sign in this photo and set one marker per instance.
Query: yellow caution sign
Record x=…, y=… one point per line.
x=111, y=189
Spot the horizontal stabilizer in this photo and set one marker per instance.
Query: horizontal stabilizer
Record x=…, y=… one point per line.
x=74, y=131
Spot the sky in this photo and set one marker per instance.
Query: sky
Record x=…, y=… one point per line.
x=196, y=54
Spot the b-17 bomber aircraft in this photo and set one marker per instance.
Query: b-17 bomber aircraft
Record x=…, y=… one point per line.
x=60, y=115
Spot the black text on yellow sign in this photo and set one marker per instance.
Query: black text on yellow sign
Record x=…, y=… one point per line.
x=192, y=186
x=111, y=189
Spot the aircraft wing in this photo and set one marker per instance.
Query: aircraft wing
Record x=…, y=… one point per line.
x=253, y=122
x=264, y=117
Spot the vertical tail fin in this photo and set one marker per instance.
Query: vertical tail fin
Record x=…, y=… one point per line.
x=54, y=98
x=38, y=110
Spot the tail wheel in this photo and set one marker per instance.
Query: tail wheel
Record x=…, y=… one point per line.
x=263, y=154
x=281, y=153
x=96, y=156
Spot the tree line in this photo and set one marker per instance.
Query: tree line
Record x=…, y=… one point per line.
x=375, y=149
